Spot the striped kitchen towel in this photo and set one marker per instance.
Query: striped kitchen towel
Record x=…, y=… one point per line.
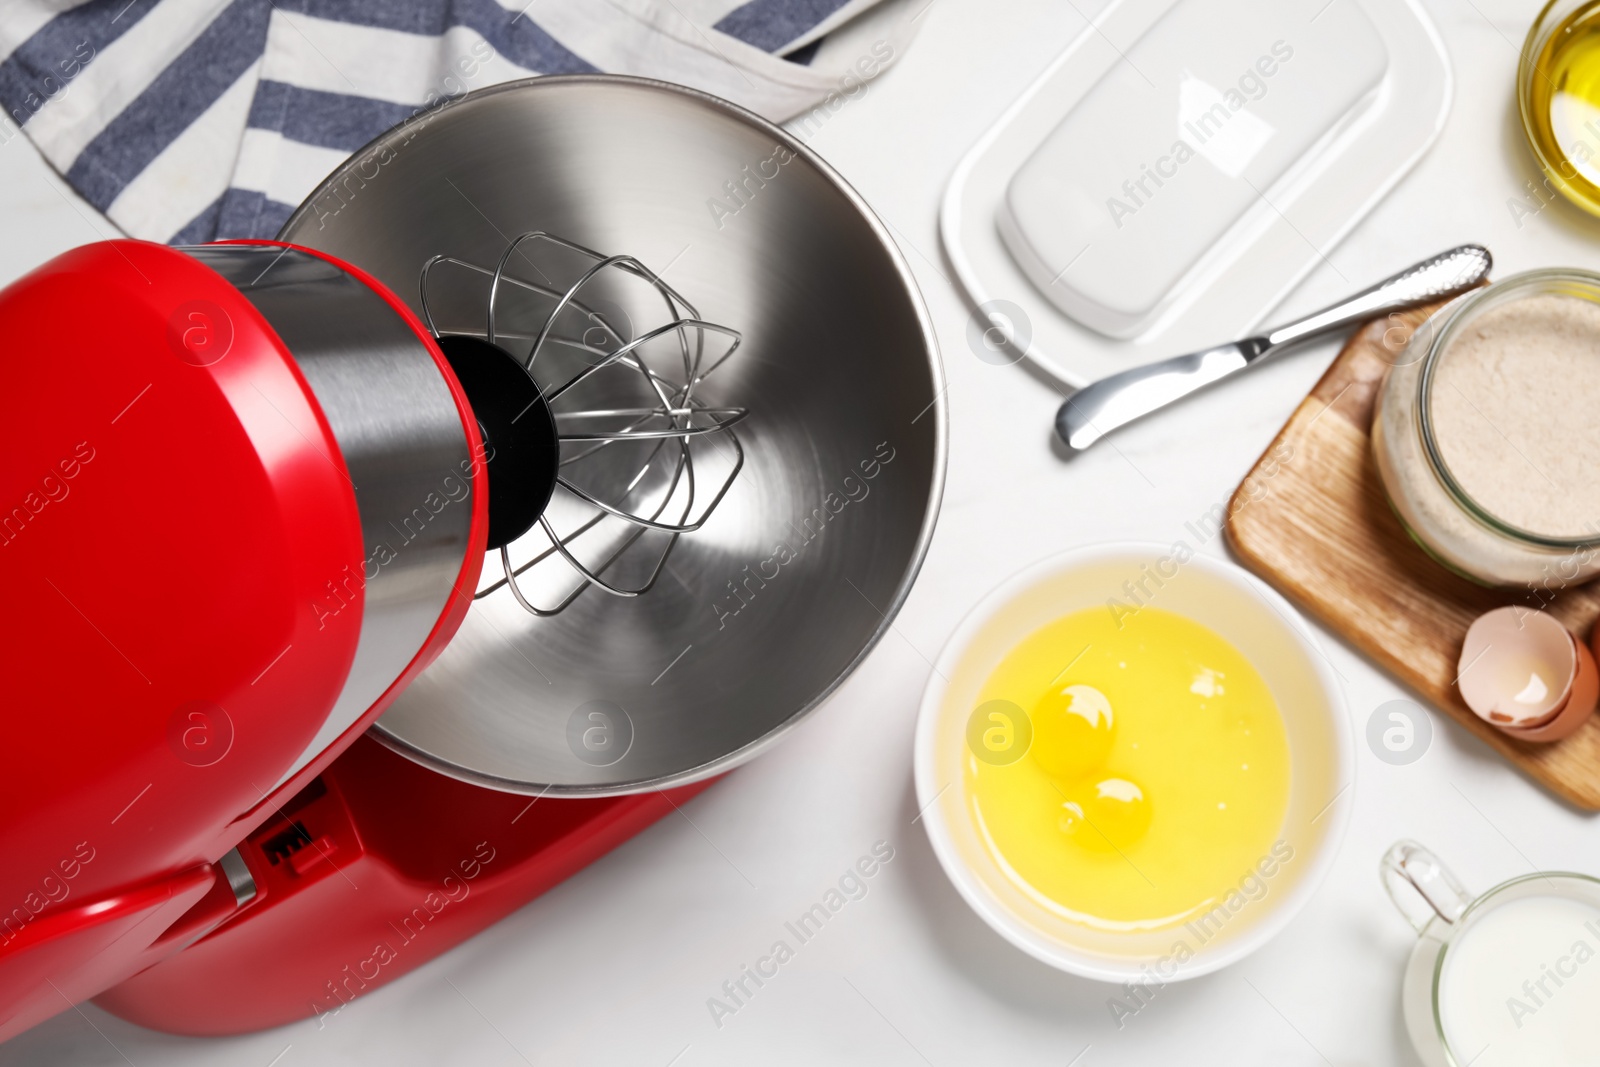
x=195, y=120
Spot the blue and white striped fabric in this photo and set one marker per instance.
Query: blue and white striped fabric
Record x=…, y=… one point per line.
x=192, y=120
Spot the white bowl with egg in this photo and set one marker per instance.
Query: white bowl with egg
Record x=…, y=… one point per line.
x=1276, y=642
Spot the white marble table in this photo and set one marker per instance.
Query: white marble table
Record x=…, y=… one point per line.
x=615, y=966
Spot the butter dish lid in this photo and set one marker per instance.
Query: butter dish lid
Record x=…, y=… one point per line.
x=1216, y=103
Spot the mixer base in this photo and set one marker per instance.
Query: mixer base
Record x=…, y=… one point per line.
x=376, y=867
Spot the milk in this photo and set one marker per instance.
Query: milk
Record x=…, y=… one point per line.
x=1521, y=985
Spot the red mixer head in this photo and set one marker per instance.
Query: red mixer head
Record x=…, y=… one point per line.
x=250, y=495
x=242, y=502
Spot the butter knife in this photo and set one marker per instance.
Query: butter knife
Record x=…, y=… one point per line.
x=1100, y=407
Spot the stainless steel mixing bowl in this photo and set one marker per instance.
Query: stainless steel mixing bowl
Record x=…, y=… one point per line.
x=764, y=611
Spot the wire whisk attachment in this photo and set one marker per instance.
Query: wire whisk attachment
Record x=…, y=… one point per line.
x=600, y=446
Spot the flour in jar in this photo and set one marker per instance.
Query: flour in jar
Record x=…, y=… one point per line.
x=1516, y=414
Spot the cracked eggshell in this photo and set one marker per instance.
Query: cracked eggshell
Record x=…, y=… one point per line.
x=1518, y=668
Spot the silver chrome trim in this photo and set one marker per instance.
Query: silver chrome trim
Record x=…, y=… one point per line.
x=402, y=440
x=239, y=878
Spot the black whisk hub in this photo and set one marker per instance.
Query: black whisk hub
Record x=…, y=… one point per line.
x=521, y=449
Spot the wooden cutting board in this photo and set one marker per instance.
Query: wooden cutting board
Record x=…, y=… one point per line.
x=1312, y=519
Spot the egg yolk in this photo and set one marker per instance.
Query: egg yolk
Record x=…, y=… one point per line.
x=1110, y=815
x=1072, y=730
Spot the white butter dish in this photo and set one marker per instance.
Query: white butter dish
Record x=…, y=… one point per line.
x=1182, y=165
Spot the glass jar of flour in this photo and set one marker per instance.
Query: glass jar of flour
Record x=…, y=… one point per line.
x=1506, y=979
x=1487, y=434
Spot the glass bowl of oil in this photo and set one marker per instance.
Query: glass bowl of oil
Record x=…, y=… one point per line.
x=1134, y=762
x=1558, y=94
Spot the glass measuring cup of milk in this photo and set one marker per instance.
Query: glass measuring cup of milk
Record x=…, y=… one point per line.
x=1510, y=978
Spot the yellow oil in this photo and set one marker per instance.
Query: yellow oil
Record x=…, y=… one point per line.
x=1560, y=101
x=1157, y=774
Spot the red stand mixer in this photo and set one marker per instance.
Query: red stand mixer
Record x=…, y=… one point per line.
x=582, y=546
